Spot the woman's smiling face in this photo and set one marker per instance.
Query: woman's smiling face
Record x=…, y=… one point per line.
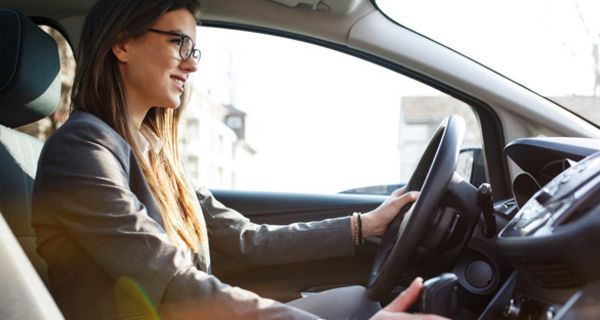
x=153, y=72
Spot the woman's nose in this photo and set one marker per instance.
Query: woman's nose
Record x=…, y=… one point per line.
x=190, y=65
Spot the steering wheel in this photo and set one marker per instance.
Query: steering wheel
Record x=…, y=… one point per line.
x=404, y=234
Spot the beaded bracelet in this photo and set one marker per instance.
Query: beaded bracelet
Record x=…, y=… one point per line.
x=354, y=227
x=357, y=228
x=360, y=233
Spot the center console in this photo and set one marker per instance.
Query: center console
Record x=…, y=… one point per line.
x=550, y=242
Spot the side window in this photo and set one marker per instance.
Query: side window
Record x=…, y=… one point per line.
x=43, y=128
x=275, y=114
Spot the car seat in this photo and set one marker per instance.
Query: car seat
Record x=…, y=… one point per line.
x=29, y=91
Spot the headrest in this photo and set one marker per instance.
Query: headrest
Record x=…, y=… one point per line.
x=29, y=71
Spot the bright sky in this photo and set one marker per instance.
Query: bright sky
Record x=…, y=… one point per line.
x=326, y=102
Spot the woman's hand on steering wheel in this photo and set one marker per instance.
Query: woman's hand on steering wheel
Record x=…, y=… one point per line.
x=395, y=310
x=375, y=222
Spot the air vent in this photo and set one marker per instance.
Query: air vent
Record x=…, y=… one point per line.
x=552, y=273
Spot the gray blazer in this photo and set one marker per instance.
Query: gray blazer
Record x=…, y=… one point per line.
x=99, y=229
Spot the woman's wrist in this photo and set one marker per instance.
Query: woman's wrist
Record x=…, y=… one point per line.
x=369, y=226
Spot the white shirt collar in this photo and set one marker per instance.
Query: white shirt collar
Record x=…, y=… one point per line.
x=148, y=140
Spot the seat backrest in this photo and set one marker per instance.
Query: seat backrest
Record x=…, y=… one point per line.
x=19, y=153
x=29, y=91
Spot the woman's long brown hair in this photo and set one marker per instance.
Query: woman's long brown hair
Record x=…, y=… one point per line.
x=99, y=89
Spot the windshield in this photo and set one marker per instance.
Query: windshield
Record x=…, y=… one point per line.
x=549, y=46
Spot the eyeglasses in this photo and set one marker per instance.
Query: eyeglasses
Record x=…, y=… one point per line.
x=187, y=48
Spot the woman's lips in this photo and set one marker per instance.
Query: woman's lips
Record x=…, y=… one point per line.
x=179, y=82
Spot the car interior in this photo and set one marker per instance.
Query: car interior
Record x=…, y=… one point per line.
x=515, y=239
x=25, y=98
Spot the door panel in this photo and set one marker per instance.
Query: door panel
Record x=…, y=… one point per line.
x=286, y=282
x=285, y=208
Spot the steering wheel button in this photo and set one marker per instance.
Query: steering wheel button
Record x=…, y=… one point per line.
x=535, y=224
x=543, y=196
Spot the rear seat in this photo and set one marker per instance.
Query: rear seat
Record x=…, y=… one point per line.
x=29, y=91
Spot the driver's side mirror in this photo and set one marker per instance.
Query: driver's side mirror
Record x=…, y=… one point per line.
x=471, y=165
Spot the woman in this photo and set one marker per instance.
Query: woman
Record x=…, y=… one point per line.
x=122, y=232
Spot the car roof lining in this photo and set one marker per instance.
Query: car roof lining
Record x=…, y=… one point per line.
x=332, y=25
x=329, y=26
x=56, y=9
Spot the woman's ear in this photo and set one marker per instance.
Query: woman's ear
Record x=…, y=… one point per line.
x=120, y=50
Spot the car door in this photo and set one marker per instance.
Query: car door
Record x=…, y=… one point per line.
x=285, y=131
x=286, y=282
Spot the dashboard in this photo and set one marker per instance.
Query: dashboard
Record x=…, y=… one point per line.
x=552, y=240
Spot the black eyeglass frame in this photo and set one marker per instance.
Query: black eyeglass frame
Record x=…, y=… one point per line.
x=182, y=38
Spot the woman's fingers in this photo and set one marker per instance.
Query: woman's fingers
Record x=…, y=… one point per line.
x=395, y=310
x=407, y=298
x=398, y=192
x=405, y=199
x=375, y=222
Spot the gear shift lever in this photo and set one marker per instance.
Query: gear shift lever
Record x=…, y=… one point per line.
x=440, y=295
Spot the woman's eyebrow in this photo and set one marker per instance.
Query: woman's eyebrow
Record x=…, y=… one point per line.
x=183, y=33
x=177, y=31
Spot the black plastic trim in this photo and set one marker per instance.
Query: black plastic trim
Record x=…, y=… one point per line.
x=287, y=207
